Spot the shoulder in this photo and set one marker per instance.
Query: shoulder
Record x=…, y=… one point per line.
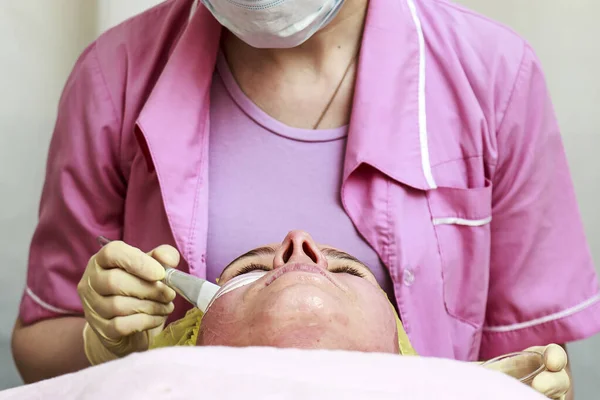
x=128, y=58
x=140, y=46
x=120, y=68
x=488, y=54
x=476, y=63
x=152, y=31
x=468, y=34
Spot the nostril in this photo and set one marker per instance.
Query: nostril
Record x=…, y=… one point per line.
x=288, y=253
x=309, y=252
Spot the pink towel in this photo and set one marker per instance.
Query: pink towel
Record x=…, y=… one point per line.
x=188, y=373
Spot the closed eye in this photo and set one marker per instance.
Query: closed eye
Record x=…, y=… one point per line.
x=250, y=268
x=348, y=270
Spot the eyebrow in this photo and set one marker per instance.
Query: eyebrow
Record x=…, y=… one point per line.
x=328, y=252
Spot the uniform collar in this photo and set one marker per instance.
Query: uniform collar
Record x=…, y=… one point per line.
x=174, y=123
x=388, y=128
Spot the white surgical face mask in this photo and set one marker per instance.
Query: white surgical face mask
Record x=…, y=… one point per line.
x=274, y=23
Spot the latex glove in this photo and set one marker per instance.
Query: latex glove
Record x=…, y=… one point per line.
x=124, y=302
x=554, y=382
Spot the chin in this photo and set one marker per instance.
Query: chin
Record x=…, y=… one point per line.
x=313, y=338
x=306, y=337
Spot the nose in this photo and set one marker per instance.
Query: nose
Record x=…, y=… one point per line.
x=299, y=247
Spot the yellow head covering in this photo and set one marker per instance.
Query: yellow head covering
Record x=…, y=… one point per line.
x=184, y=332
x=404, y=345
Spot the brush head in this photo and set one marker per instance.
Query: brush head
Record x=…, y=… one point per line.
x=197, y=291
x=206, y=294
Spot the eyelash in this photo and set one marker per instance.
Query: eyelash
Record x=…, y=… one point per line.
x=252, y=267
x=336, y=270
x=348, y=270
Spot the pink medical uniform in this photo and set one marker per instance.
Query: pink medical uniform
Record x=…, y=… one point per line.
x=266, y=177
x=454, y=173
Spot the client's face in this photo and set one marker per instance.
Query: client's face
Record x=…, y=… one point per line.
x=313, y=297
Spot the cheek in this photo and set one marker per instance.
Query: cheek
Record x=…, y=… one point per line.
x=377, y=319
x=224, y=322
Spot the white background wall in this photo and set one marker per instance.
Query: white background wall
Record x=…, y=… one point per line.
x=40, y=40
x=111, y=12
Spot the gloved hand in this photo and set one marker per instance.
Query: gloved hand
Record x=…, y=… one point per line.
x=124, y=302
x=554, y=382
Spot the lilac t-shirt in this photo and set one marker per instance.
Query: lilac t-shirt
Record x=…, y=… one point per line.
x=267, y=178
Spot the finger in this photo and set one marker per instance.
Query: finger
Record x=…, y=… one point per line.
x=131, y=259
x=120, y=327
x=537, y=349
x=114, y=330
x=166, y=255
x=121, y=306
x=519, y=365
x=555, y=358
x=116, y=282
x=552, y=384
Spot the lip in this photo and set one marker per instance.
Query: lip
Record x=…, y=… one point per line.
x=314, y=269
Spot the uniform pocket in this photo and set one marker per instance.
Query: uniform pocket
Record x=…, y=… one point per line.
x=461, y=219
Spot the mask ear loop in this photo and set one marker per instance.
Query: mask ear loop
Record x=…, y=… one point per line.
x=236, y=283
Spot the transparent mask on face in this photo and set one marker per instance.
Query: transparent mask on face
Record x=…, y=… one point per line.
x=236, y=283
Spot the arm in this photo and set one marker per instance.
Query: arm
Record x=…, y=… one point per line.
x=49, y=348
x=82, y=198
x=543, y=287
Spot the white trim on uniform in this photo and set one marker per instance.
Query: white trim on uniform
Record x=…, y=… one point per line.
x=462, y=221
x=543, y=320
x=45, y=305
x=425, y=162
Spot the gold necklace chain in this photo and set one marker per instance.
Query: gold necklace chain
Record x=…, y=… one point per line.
x=337, y=89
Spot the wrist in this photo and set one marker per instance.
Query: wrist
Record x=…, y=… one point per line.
x=95, y=351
